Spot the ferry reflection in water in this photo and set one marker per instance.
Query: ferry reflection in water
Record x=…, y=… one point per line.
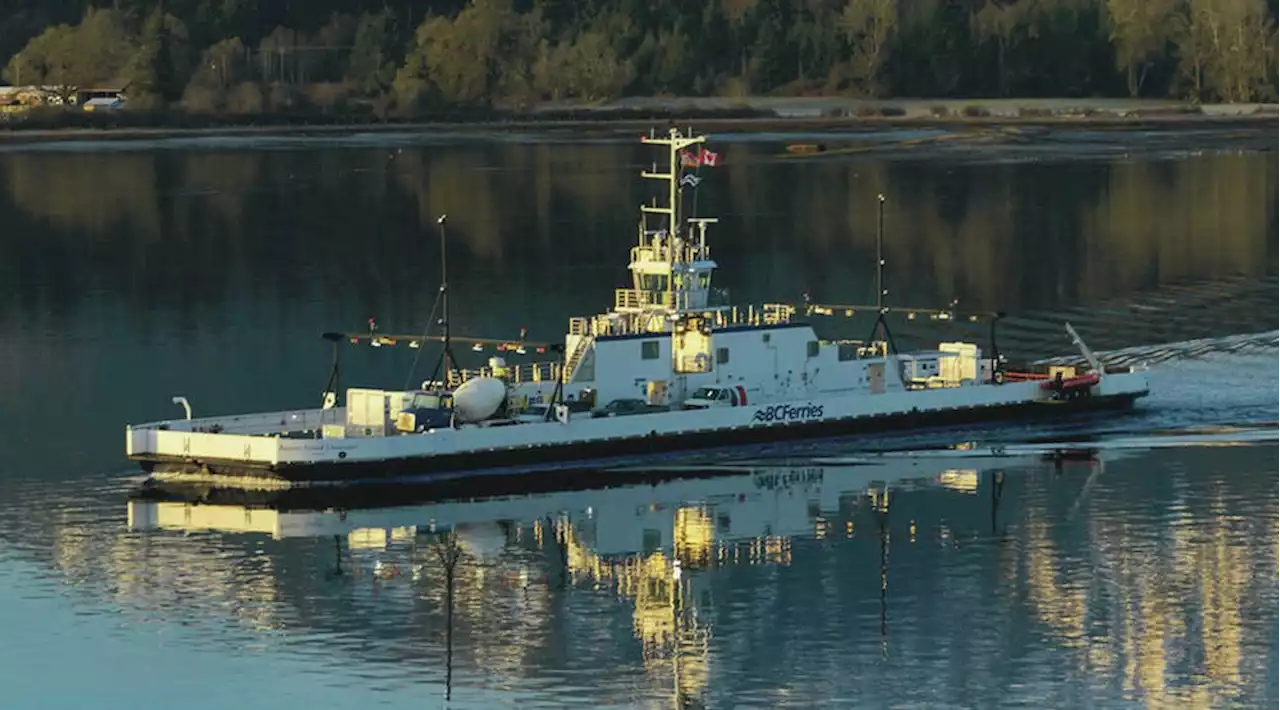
x=533, y=575
x=651, y=544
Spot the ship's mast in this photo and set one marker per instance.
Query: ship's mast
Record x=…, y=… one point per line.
x=880, y=334
x=447, y=361
x=675, y=143
x=671, y=271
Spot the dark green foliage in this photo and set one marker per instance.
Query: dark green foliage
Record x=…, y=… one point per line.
x=420, y=54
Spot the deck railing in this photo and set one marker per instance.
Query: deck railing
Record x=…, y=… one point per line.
x=255, y=424
x=663, y=252
x=517, y=374
x=726, y=316
x=768, y=314
x=635, y=299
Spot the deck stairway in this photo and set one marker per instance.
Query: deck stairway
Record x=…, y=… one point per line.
x=575, y=357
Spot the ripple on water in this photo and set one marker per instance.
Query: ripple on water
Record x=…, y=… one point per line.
x=1144, y=579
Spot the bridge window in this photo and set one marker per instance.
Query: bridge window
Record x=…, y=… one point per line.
x=654, y=282
x=722, y=356
x=765, y=337
x=813, y=348
x=649, y=350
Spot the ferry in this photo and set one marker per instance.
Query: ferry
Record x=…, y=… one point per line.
x=671, y=367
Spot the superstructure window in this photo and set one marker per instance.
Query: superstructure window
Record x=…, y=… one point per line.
x=654, y=282
x=722, y=356
x=813, y=348
x=649, y=350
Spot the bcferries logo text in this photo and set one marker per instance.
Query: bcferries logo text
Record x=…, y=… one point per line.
x=787, y=413
x=787, y=479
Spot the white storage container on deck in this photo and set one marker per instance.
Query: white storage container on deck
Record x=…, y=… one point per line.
x=372, y=412
x=963, y=366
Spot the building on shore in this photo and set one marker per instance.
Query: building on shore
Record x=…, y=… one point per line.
x=20, y=99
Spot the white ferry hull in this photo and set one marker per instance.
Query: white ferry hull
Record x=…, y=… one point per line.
x=470, y=449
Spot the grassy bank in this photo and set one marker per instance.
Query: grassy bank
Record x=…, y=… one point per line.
x=710, y=114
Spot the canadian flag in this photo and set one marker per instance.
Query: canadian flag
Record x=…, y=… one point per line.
x=702, y=157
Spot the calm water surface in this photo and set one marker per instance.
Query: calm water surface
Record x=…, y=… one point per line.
x=1142, y=576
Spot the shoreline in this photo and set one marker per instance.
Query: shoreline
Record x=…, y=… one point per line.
x=711, y=114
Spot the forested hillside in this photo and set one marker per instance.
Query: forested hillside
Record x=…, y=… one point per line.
x=247, y=56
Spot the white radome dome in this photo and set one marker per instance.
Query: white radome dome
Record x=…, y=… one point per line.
x=478, y=398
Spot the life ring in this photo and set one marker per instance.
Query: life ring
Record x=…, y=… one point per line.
x=998, y=378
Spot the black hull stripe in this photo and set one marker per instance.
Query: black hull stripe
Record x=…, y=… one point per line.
x=430, y=465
